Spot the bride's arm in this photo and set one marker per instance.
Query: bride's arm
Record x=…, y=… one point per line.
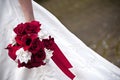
x=26, y=6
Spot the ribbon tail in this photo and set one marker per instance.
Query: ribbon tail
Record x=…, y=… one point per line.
x=62, y=62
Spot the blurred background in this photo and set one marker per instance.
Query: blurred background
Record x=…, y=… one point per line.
x=95, y=22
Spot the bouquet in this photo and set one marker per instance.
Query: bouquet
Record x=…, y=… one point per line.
x=29, y=50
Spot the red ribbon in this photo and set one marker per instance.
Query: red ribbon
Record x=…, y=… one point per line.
x=62, y=62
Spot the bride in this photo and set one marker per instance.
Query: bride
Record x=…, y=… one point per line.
x=86, y=64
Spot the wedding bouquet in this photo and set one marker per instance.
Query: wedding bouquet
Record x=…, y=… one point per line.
x=29, y=50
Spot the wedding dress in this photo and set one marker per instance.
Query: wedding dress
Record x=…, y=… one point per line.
x=87, y=64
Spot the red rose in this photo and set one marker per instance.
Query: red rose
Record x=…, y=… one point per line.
x=33, y=27
x=48, y=43
x=12, y=50
x=27, y=40
x=27, y=28
x=40, y=55
x=20, y=29
x=37, y=59
x=36, y=45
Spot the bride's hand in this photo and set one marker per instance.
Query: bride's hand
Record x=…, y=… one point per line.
x=26, y=6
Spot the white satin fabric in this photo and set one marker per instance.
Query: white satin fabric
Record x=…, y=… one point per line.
x=87, y=64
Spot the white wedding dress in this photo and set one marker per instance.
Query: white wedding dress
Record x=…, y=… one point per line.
x=87, y=64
